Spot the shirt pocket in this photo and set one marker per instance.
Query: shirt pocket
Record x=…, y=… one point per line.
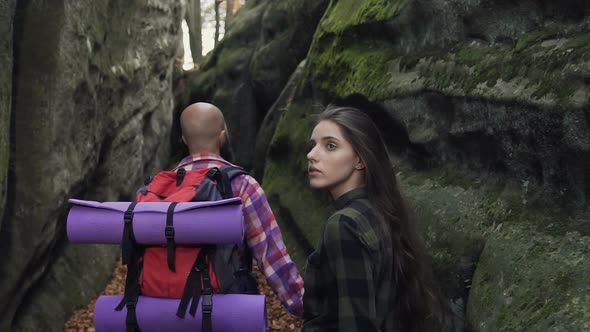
x=313, y=295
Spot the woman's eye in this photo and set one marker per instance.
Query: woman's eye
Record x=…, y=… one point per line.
x=331, y=146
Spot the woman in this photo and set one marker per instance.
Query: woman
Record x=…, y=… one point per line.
x=369, y=272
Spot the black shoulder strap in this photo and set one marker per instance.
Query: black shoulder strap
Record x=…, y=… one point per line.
x=232, y=171
x=229, y=173
x=217, y=184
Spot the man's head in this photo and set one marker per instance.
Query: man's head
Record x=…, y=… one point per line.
x=203, y=128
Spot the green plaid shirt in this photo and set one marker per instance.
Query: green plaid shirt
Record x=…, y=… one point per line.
x=349, y=278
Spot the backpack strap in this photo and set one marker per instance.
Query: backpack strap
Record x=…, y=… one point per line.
x=192, y=288
x=207, y=297
x=169, y=230
x=169, y=233
x=131, y=254
x=128, y=242
x=217, y=183
x=229, y=173
x=198, y=286
x=180, y=174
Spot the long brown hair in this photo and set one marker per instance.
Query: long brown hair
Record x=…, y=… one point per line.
x=417, y=303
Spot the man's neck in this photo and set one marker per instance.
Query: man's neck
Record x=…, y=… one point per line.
x=202, y=151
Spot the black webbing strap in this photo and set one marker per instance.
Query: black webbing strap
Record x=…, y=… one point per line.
x=203, y=269
x=207, y=296
x=128, y=240
x=207, y=304
x=224, y=185
x=132, y=290
x=132, y=280
x=169, y=232
x=180, y=176
x=192, y=288
x=131, y=319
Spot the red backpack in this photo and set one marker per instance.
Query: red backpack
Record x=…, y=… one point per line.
x=184, y=272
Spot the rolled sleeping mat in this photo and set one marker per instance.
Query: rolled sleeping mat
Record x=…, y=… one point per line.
x=208, y=222
x=230, y=313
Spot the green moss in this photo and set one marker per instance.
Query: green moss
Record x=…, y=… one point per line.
x=342, y=69
x=529, y=281
x=458, y=213
x=525, y=41
x=530, y=65
x=344, y=60
x=473, y=56
x=345, y=64
x=580, y=42
x=454, y=218
x=343, y=14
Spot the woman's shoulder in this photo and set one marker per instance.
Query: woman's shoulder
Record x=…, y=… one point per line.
x=354, y=222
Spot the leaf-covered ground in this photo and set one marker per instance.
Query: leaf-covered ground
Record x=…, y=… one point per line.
x=279, y=319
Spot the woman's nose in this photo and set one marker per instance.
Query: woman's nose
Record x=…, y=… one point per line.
x=311, y=154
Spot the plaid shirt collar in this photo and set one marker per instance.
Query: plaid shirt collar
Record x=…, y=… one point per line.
x=350, y=196
x=204, y=157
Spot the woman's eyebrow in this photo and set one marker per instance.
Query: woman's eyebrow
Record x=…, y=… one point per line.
x=325, y=138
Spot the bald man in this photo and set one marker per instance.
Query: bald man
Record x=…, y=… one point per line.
x=203, y=128
x=205, y=134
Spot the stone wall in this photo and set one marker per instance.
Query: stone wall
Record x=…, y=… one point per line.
x=92, y=114
x=485, y=107
x=6, y=18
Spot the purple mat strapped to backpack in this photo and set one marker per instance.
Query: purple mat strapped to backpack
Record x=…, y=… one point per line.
x=231, y=312
x=209, y=222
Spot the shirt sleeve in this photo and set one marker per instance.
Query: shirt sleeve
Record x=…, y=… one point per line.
x=350, y=261
x=266, y=242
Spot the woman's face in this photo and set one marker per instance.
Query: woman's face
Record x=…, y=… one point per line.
x=332, y=162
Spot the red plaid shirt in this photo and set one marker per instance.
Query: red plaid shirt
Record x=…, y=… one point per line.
x=263, y=235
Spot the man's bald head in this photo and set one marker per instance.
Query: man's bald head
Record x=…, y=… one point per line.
x=203, y=128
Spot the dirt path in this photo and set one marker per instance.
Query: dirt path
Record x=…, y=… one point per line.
x=279, y=319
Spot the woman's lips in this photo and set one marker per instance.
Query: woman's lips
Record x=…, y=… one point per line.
x=312, y=171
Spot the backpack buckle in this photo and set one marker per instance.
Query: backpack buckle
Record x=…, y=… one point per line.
x=169, y=232
x=207, y=304
x=131, y=304
x=128, y=216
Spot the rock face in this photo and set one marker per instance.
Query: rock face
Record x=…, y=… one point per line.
x=91, y=117
x=485, y=106
x=248, y=69
x=6, y=17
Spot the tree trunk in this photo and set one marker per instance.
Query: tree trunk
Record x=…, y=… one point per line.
x=217, y=21
x=193, y=20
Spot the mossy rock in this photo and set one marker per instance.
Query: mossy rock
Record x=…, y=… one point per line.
x=6, y=51
x=342, y=15
x=453, y=218
x=352, y=54
x=527, y=280
x=300, y=210
x=343, y=64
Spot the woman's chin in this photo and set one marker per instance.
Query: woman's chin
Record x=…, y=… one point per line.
x=315, y=184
